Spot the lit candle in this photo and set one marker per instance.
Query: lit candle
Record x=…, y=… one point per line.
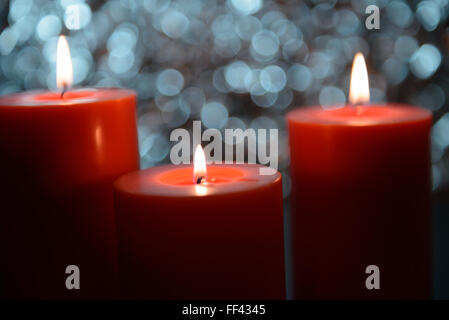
x=60, y=152
x=360, y=198
x=200, y=233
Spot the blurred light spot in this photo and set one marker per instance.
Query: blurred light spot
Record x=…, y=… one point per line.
x=399, y=13
x=174, y=24
x=223, y=26
x=26, y=61
x=122, y=37
x=247, y=26
x=284, y=99
x=105, y=82
x=170, y=82
x=286, y=30
x=8, y=88
x=428, y=14
x=177, y=116
x=436, y=177
x=77, y=16
x=395, y=70
x=299, y=77
x=49, y=49
x=324, y=11
x=269, y=18
x=193, y=8
x=214, y=115
x=20, y=8
x=81, y=69
x=246, y=6
x=218, y=80
x=8, y=40
x=193, y=98
x=349, y=23
x=432, y=97
x=235, y=123
x=158, y=150
x=265, y=43
x=227, y=47
x=156, y=6
x=331, y=97
x=440, y=137
x=146, y=85
x=196, y=33
x=24, y=28
x=377, y=95
x=146, y=143
x=263, y=122
x=165, y=103
x=320, y=65
x=121, y=60
x=295, y=50
x=226, y=41
x=236, y=75
x=425, y=61
x=273, y=78
x=261, y=97
x=405, y=46
x=286, y=185
x=49, y=26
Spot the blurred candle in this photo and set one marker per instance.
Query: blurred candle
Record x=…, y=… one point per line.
x=206, y=233
x=60, y=152
x=360, y=196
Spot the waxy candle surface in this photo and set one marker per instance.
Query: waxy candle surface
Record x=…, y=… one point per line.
x=221, y=239
x=360, y=196
x=59, y=157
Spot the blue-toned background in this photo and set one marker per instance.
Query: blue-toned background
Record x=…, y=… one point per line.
x=240, y=64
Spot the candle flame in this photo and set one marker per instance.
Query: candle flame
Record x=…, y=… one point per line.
x=359, y=86
x=199, y=165
x=64, y=71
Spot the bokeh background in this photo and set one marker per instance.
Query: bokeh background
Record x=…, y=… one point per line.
x=240, y=64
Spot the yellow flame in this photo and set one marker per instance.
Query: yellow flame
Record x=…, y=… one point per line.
x=64, y=71
x=199, y=165
x=359, y=86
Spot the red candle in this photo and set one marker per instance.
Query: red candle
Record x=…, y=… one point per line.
x=188, y=236
x=360, y=197
x=59, y=157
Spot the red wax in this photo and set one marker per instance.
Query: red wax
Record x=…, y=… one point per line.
x=360, y=196
x=218, y=240
x=59, y=157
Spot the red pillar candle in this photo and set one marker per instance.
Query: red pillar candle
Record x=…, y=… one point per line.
x=59, y=157
x=220, y=239
x=360, y=196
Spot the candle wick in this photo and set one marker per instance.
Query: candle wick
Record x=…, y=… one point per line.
x=64, y=89
x=199, y=180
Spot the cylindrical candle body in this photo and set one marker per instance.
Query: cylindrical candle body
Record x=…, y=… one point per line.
x=360, y=197
x=59, y=158
x=181, y=241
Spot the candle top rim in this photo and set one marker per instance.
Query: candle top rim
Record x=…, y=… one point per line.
x=365, y=115
x=74, y=96
x=153, y=181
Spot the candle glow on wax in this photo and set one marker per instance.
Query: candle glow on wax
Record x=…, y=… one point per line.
x=359, y=85
x=375, y=158
x=64, y=70
x=199, y=165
